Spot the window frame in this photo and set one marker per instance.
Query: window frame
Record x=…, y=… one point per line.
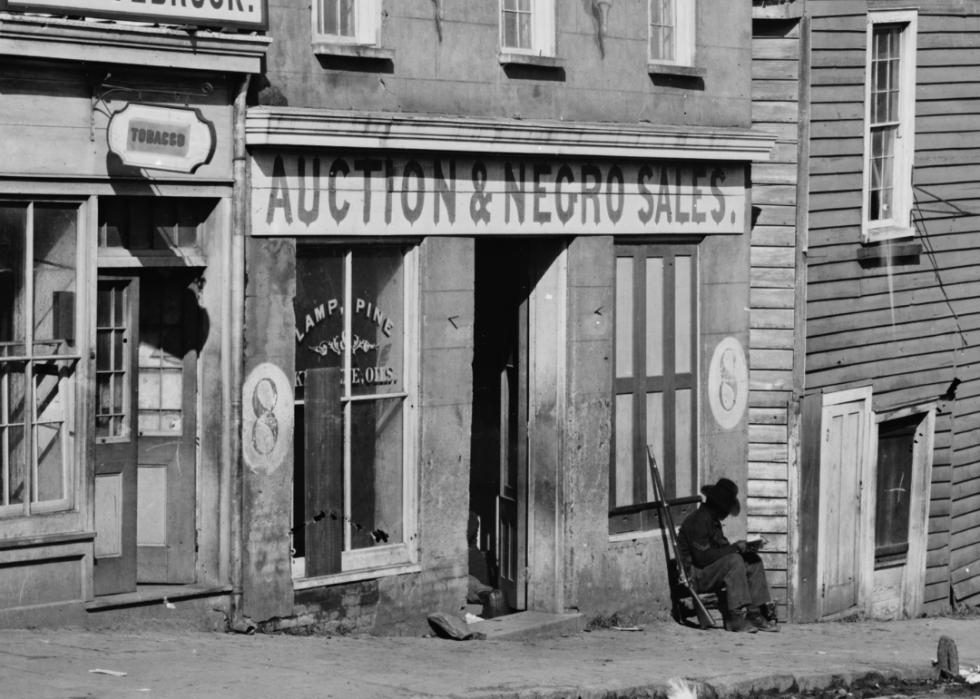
x=900, y=224
x=542, y=33
x=685, y=34
x=68, y=366
x=367, y=25
x=646, y=521
x=385, y=559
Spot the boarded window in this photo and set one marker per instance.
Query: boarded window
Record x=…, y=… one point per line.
x=655, y=401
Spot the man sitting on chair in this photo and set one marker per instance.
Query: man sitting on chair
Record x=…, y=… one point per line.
x=710, y=561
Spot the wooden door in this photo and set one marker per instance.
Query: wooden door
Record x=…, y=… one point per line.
x=167, y=423
x=843, y=465
x=117, y=327
x=512, y=498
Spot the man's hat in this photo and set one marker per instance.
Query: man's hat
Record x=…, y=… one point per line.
x=724, y=494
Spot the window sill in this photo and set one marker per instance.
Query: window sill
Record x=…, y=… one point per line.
x=889, y=251
x=880, y=235
x=509, y=58
x=356, y=575
x=623, y=537
x=377, y=53
x=676, y=70
x=46, y=540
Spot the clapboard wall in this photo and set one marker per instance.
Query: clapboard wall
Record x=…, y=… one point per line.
x=776, y=50
x=909, y=327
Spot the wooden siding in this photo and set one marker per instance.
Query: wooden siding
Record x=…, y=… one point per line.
x=910, y=327
x=775, y=108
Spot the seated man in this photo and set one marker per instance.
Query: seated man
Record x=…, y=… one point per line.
x=709, y=560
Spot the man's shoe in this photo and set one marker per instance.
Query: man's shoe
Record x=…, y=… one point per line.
x=737, y=623
x=763, y=624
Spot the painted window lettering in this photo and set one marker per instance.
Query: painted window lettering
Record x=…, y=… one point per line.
x=364, y=195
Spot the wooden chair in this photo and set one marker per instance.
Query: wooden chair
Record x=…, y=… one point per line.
x=683, y=606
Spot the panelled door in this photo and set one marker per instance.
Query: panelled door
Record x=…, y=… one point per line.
x=512, y=498
x=147, y=332
x=844, y=469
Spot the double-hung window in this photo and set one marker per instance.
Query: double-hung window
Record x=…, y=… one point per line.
x=655, y=380
x=527, y=27
x=38, y=355
x=889, y=133
x=672, y=32
x=355, y=483
x=356, y=22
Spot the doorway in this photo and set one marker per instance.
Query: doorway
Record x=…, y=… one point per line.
x=518, y=408
x=148, y=331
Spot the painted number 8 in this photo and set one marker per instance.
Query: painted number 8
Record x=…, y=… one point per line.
x=265, y=431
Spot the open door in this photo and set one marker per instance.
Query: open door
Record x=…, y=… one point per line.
x=844, y=512
x=147, y=339
x=499, y=471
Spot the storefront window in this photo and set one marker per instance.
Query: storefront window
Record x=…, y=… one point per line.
x=655, y=380
x=37, y=354
x=353, y=474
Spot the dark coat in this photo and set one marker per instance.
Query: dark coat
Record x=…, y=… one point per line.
x=701, y=540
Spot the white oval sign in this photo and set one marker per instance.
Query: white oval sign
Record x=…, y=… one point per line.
x=176, y=139
x=267, y=419
x=728, y=383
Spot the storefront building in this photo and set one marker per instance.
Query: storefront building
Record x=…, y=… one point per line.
x=117, y=194
x=487, y=315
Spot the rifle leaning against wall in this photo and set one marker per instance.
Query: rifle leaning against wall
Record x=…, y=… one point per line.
x=704, y=619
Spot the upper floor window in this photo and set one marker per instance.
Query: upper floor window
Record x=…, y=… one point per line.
x=889, y=125
x=38, y=354
x=347, y=21
x=528, y=26
x=672, y=31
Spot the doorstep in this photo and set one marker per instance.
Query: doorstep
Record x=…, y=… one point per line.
x=523, y=626
x=151, y=594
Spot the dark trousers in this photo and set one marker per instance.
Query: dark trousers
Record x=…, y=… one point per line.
x=744, y=578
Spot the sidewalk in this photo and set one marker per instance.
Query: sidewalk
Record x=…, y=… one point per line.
x=185, y=665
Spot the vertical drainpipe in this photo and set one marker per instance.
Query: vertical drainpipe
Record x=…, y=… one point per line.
x=231, y=511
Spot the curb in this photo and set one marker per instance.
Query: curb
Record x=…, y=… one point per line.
x=764, y=684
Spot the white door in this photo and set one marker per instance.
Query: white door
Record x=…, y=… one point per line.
x=844, y=510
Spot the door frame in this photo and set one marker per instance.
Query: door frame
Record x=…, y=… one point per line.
x=913, y=576
x=865, y=553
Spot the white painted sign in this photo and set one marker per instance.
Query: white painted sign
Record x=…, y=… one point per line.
x=322, y=193
x=267, y=418
x=216, y=13
x=161, y=138
x=728, y=383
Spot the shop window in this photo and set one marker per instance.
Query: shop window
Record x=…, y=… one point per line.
x=153, y=225
x=354, y=22
x=672, y=31
x=354, y=471
x=655, y=381
x=38, y=277
x=527, y=26
x=889, y=126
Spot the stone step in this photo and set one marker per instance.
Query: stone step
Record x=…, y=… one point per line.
x=522, y=626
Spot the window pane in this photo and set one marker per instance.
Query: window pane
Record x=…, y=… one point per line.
x=378, y=322
x=376, y=472
x=50, y=462
x=655, y=316
x=683, y=303
x=683, y=462
x=319, y=307
x=624, y=316
x=14, y=449
x=524, y=19
x=13, y=231
x=328, y=17
x=655, y=436
x=510, y=30
x=347, y=17
x=55, y=242
x=624, y=450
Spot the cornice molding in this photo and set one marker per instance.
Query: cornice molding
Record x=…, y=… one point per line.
x=318, y=128
x=131, y=44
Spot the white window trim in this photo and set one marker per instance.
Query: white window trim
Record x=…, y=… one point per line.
x=393, y=559
x=542, y=30
x=900, y=225
x=367, y=25
x=685, y=35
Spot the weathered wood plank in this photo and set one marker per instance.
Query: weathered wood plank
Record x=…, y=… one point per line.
x=763, y=524
x=771, y=359
x=772, y=257
x=769, y=399
x=761, y=471
x=776, y=50
x=774, y=215
x=769, y=380
x=771, y=298
x=774, y=236
x=836, y=111
x=835, y=191
x=773, y=173
x=769, y=338
x=767, y=416
x=767, y=434
x=775, y=90
x=778, y=112
x=771, y=318
x=775, y=70
x=772, y=277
